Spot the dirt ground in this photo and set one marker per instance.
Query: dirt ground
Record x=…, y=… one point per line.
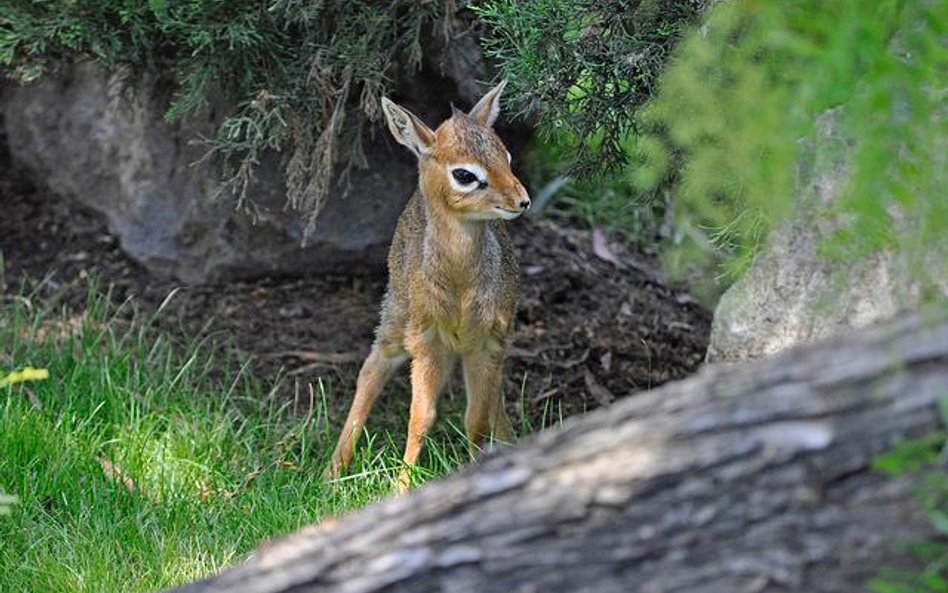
x=593, y=325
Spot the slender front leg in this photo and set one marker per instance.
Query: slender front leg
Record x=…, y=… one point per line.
x=431, y=365
x=375, y=373
x=485, y=416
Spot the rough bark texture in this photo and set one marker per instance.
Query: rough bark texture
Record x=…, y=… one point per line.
x=743, y=479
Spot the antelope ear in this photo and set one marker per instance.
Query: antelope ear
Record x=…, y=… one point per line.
x=488, y=108
x=408, y=129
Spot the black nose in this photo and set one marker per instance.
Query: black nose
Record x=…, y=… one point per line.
x=525, y=204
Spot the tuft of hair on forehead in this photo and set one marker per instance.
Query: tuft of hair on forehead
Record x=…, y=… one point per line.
x=479, y=141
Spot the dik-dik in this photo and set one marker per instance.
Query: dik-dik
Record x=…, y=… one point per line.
x=453, y=279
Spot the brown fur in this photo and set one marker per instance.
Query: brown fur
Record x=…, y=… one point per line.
x=453, y=284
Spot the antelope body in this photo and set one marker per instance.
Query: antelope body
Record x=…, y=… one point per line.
x=453, y=279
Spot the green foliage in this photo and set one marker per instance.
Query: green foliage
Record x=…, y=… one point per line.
x=611, y=201
x=740, y=104
x=925, y=458
x=140, y=464
x=911, y=456
x=305, y=75
x=583, y=65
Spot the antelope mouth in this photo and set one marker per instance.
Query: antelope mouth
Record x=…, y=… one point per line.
x=508, y=214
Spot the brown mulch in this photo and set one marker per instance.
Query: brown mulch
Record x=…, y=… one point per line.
x=593, y=324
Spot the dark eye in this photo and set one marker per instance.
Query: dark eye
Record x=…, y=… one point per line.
x=463, y=176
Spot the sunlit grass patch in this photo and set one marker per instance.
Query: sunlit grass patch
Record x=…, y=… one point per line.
x=140, y=463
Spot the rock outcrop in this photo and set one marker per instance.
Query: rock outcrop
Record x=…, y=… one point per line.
x=82, y=138
x=793, y=293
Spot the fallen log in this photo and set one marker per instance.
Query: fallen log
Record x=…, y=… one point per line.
x=742, y=479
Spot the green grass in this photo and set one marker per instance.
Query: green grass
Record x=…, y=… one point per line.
x=924, y=459
x=138, y=464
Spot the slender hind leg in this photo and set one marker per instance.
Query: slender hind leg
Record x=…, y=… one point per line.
x=375, y=373
x=485, y=416
x=430, y=368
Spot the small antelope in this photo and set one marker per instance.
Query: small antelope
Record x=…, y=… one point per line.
x=453, y=279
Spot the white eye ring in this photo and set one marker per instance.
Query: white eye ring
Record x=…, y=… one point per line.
x=475, y=170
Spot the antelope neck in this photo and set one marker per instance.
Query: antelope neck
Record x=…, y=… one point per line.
x=461, y=242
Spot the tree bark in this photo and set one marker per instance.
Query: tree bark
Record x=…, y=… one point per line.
x=742, y=479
